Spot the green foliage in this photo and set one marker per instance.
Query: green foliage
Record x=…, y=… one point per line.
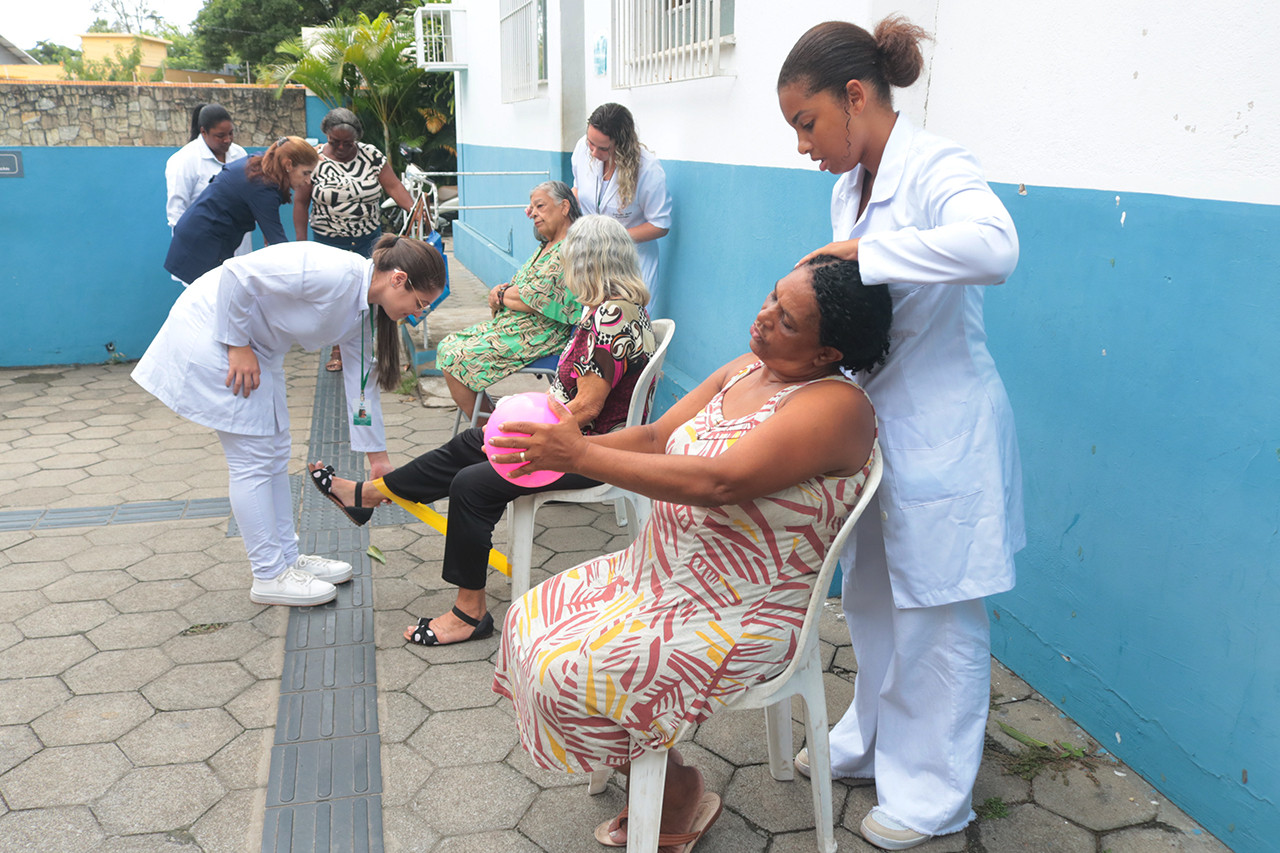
x=992, y=808
x=251, y=30
x=48, y=53
x=366, y=65
x=123, y=68
x=185, y=50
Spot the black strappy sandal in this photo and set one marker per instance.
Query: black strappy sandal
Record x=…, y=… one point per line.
x=424, y=636
x=323, y=479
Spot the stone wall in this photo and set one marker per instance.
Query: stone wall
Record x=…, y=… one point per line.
x=39, y=114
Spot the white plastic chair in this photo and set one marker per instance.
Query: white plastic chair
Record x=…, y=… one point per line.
x=525, y=507
x=803, y=676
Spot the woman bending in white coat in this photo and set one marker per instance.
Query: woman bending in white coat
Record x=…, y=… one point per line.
x=613, y=174
x=219, y=361
x=917, y=214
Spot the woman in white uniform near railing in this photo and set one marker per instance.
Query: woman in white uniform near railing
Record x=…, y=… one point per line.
x=218, y=360
x=917, y=214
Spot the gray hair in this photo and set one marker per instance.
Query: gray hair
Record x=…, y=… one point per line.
x=601, y=262
x=558, y=191
x=339, y=117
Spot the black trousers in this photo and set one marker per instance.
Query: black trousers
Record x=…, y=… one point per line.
x=477, y=494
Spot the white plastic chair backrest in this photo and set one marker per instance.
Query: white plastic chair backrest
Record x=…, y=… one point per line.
x=809, y=632
x=642, y=394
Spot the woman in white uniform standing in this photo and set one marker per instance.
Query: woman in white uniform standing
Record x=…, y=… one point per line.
x=195, y=164
x=917, y=214
x=218, y=360
x=615, y=175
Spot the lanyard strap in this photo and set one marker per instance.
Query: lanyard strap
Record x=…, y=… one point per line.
x=364, y=374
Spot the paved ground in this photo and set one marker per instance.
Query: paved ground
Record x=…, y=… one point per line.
x=140, y=689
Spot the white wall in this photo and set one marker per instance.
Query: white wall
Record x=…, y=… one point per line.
x=1161, y=97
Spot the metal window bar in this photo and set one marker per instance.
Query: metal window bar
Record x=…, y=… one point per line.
x=663, y=41
x=544, y=174
x=433, y=28
x=518, y=34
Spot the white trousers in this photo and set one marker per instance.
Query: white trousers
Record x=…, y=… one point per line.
x=919, y=713
x=258, y=483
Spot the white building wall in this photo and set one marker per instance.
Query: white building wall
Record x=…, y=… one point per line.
x=1159, y=97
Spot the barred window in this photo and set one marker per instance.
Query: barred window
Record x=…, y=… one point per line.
x=523, y=39
x=662, y=41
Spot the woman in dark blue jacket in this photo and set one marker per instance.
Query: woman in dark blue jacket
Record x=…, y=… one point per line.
x=246, y=193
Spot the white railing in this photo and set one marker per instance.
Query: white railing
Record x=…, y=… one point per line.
x=518, y=42
x=662, y=41
x=438, y=42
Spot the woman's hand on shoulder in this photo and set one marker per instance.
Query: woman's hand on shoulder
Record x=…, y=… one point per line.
x=846, y=250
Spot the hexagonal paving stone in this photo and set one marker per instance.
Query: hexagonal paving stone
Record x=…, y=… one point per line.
x=255, y=708
x=34, y=576
x=159, y=842
x=449, y=739
x=224, y=606
x=15, y=605
x=202, y=645
x=244, y=762
x=230, y=825
x=108, y=672
x=738, y=737
x=564, y=819
x=404, y=772
x=63, y=619
x=176, y=737
x=158, y=799
x=224, y=576
x=66, y=830
x=63, y=775
x=400, y=717
x=23, y=700
x=159, y=567
x=1101, y=800
x=154, y=595
x=137, y=630
x=1040, y=720
x=1029, y=827
x=44, y=656
x=100, y=718
x=199, y=685
x=17, y=744
x=773, y=805
x=88, y=586
x=1157, y=840
x=448, y=687
x=477, y=798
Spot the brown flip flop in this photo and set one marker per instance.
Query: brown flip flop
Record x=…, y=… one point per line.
x=709, y=809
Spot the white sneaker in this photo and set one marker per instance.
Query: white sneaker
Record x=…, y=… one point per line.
x=802, y=764
x=292, y=588
x=329, y=571
x=887, y=834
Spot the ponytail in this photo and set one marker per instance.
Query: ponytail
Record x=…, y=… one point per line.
x=831, y=54
x=425, y=268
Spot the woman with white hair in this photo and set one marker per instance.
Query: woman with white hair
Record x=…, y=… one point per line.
x=598, y=370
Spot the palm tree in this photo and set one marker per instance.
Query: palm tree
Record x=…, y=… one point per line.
x=364, y=65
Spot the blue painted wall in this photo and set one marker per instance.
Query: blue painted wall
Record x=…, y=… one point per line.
x=1141, y=360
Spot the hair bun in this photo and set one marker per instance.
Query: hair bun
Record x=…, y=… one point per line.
x=898, y=50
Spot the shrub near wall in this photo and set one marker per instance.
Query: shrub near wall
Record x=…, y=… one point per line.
x=85, y=113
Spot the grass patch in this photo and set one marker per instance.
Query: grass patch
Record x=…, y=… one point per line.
x=992, y=808
x=408, y=384
x=1040, y=756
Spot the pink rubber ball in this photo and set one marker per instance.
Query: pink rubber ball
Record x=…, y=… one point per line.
x=532, y=407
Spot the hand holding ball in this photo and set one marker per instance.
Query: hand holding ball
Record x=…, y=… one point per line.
x=531, y=407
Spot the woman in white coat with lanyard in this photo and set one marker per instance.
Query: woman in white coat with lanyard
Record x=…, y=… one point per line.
x=218, y=360
x=615, y=175
x=917, y=214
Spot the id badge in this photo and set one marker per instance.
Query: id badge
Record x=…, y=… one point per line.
x=361, y=417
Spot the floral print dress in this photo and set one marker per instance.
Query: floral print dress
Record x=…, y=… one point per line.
x=480, y=355
x=624, y=652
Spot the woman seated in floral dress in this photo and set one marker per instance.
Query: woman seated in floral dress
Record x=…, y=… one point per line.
x=752, y=475
x=533, y=314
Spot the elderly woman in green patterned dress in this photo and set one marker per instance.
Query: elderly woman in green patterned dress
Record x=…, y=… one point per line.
x=533, y=314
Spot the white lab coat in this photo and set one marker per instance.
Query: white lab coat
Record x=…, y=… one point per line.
x=293, y=293
x=652, y=202
x=952, y=491
x=188, y=172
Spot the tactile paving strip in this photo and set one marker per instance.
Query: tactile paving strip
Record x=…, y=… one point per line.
x=325, y=784
x=99, y=516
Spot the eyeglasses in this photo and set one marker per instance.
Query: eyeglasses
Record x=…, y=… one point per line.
x=408, y=285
